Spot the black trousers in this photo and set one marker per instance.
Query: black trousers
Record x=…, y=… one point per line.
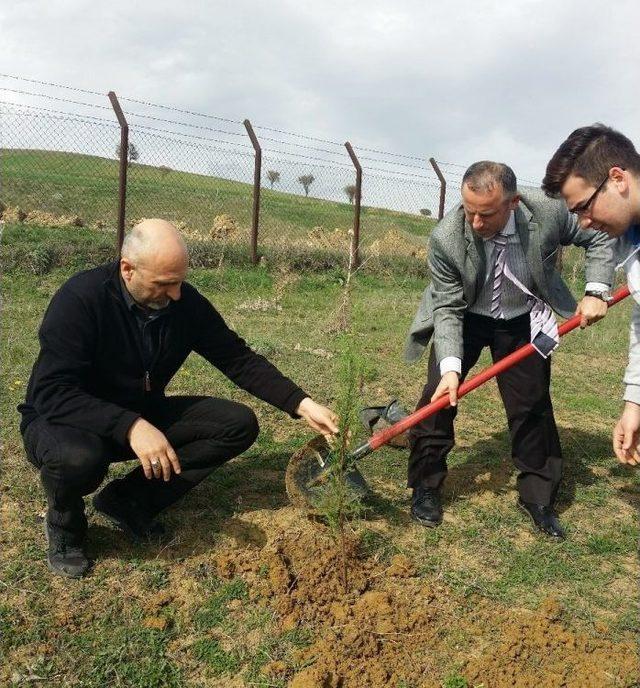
x=204, y=432
x=525, y=394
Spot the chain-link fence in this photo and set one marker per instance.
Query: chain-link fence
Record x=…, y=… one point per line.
x=55, y=168
x=238, y=193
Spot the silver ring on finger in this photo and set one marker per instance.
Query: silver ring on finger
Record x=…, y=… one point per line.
x=155, y=462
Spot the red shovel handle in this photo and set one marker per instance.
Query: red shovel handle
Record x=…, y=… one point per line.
x=503, y=364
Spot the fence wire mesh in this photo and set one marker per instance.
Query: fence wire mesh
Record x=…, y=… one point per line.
x=59, y=166
x=57, y=169
x=306, y=210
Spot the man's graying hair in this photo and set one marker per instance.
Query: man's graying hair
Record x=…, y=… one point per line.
x=483, y=176
x=138, y=244
x=134, y=244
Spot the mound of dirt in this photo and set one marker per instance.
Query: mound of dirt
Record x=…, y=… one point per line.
x=388, y=625
x=223, y=227
x=395, y=242
x=325, y=239
x=538, y=649
x=46, y=219
x=13, y=214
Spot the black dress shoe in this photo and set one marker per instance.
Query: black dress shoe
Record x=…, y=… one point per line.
x=426, y=506
x=544, y=518
x=123, y=511
x=64, y=557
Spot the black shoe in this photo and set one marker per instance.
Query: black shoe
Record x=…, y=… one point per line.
x=123, y=511
x=63, y=556
x=426, y=506
x=544, y=518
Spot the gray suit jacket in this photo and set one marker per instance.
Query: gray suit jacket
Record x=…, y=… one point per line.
x=458, y=269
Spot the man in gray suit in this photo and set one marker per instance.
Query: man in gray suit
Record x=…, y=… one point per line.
x=493, y=267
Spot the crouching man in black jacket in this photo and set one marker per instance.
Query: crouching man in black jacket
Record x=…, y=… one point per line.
x=111, y=340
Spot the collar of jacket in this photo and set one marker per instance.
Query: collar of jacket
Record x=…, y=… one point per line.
x=524, y=225
x=112, y=281
x=529, y=240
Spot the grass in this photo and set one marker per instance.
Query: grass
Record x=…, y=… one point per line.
x=92, y=632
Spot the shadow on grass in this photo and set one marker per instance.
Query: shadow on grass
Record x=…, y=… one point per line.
x=213, y=509
x=256, y=482
x=488, y=467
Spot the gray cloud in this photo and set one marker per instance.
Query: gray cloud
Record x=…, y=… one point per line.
x=458, y=80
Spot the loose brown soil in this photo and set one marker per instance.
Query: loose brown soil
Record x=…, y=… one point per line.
x=393, y=625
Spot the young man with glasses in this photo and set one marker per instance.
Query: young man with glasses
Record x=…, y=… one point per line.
x=493, y=283
x=596, y=170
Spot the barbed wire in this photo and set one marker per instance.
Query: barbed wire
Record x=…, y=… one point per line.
x=175, y=109
x=60, y=100
x=393, y=155
x=192, y=136
x=306, y=137
x=300, y=136
x=451, y=164
x=183, y=124
x=528, y=182
x=161, y=134
x=385, y=162
x=67, y=115
x=49, y=83
x=332, y=168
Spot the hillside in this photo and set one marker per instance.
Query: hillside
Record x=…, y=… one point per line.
x=87, y=186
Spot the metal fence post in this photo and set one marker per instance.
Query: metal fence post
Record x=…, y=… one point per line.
x=256, y=191
x=355, y=240
x=443, y=187
x=124, y=162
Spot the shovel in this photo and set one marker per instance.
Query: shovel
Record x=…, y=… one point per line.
x=310, y=467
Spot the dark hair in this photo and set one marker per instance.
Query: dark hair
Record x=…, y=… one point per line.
x=589, y=152
x=483, y=176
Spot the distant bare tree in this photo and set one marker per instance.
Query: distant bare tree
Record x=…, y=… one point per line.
x=274, y=177
x=133, y=153
x=350, y=190
x=306, y=180
x=425, y=211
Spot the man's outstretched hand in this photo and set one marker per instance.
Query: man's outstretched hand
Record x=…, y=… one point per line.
x=320, y=418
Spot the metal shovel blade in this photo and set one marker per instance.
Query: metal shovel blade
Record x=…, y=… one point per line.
x=308, y=475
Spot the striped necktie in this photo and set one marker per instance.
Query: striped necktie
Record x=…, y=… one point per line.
x=544, y=328
x=500, y=247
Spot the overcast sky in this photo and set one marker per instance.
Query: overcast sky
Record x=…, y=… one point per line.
x=457, y=80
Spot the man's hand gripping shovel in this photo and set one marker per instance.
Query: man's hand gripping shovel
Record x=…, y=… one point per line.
x=310, y=467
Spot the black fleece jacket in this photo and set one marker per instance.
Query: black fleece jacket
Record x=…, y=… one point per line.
x=90, y=373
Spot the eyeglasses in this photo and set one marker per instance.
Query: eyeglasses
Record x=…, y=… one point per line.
x=582, y=208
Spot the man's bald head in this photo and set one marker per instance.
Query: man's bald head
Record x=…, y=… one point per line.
x=154, y=242
x=154, y=263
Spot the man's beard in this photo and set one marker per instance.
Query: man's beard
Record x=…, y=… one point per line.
x=157, y=305
x=145, y=303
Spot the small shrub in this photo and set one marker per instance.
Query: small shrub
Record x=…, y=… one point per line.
x=41, y=260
